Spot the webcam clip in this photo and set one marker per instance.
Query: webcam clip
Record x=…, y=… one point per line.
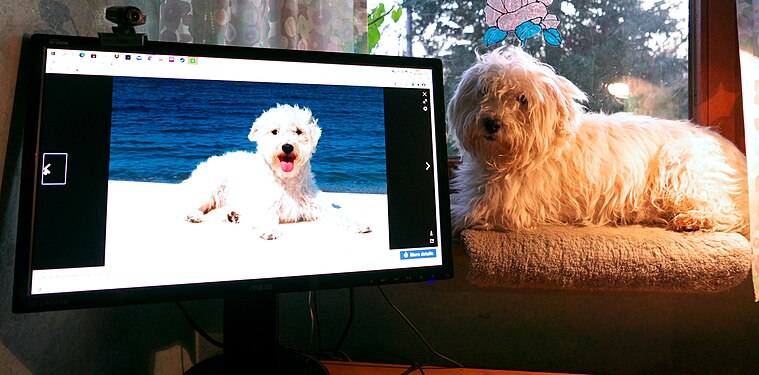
x=123, y=33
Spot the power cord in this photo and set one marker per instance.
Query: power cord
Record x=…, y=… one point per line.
x=197, y=328
x=414, y=367
x=338, y=348
x=315, y=324
x=413, y=328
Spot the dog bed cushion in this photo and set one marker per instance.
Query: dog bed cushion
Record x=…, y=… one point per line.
x=630, y=258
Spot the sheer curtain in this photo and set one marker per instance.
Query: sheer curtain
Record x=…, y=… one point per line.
x=324, y=25
x=748, y=42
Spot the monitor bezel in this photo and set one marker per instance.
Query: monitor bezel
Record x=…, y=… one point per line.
x=26, y=118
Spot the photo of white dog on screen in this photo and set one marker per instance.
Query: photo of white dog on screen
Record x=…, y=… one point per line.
x=273, y=186
x=532, y=155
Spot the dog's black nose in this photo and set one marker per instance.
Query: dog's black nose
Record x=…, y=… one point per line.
x=287, y=148
x=491, y=126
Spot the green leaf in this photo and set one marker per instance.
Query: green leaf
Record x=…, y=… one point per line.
x=377, y=12
x=376, y=17
x=373, y=38
x=397, y=13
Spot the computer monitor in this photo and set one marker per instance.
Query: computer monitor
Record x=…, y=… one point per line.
x=112, y=135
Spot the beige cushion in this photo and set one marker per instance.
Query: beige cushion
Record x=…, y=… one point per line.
x=630, y=258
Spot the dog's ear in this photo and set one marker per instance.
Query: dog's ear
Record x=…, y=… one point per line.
x=252, y=136
x=313, y=131
x=464, y=105
x=563, y=104
x=316, y=131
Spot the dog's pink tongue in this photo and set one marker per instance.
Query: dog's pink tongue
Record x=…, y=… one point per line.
x=287, y=166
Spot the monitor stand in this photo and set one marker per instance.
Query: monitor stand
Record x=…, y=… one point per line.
x=251, y=341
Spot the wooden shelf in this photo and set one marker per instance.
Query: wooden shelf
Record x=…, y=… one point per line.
x=359, y=368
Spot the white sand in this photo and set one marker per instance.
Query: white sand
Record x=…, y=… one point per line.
x=148, y=242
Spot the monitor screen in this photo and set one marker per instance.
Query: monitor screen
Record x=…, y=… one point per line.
x=171, y=171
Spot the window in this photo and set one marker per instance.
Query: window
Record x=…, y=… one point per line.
x=627, y=55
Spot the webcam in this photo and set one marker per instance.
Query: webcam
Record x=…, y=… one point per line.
x=125, y=18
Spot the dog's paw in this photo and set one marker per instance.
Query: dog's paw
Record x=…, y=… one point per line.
x=233, y=217
x=364, y=229
x=195, y=217
x=691, y=222
x=270, y=234
x=359, y=228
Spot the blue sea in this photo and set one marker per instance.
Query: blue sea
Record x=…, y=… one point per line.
x=163, y=128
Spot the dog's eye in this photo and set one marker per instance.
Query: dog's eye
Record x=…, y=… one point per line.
x=298, y=132
x=274, y=132
x=522, y=99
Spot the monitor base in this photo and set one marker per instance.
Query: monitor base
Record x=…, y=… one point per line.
x=289, y=362
x=251, y=341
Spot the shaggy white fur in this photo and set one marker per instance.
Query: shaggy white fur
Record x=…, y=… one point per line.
x=532, y=155
x=272, y=186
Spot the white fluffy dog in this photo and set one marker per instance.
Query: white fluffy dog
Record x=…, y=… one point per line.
x=272, y=186
x=532, y=155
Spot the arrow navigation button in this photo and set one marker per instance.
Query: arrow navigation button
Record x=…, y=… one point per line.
x=54, y=168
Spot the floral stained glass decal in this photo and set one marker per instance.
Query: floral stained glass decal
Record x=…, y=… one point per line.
x=523, y=18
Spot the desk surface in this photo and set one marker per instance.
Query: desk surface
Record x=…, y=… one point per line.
x=358, y=368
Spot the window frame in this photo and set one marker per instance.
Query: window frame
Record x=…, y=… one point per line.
x=715, y=77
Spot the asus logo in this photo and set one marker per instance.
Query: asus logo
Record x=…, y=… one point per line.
x=258, y=288
x=58, y=42
x=47, y=304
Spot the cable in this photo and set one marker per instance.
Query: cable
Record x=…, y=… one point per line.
x=306, y=358
x=311, y=321
x=414, y=367
x=338, y=347
x=197, y=328
x=411, y=325
x=315, y=323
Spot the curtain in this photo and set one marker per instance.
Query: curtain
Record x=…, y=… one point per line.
x=324, y=25
x=748, y=43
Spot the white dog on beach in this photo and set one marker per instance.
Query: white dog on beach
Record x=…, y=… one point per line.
x=532, y=155
x=271, y=186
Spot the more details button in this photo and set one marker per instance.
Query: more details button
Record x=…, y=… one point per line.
x=418, y=254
